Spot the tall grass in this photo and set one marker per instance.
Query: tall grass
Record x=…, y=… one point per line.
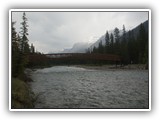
x=21, y=95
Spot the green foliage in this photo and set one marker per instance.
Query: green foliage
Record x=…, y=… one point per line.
x=15, y=50
x=111, y=46
x=124, y=47
x=20, y=48
x=22, y=97
x=132, y=48
x=142, y=41
x=107, y=39
x=100, y=47
x=116, y=35
x=24, y=46
x=117, y=46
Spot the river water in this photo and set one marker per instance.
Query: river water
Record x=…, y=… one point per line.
x=75, y=87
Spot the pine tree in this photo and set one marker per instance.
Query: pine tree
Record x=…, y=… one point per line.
x=107, y=39
x=15, y=51
x=94, y=50
x=32, y=49
x=24, y=46
x=123, y=47
x=132, y=44
x=24, y=33
x=142, y=41
x=124, y=33
x=100, y=48
x=117, y=41
x=116, y=35
x=107, y=42
x=14, y=38
x=112, y=44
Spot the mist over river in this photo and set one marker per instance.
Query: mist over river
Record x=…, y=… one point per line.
x=76, y=87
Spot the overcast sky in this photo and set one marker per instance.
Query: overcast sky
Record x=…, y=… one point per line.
x=55, y=31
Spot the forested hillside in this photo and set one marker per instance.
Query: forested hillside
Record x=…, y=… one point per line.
x=21, y=95
x=131, y=45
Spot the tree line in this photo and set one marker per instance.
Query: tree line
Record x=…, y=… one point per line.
x=131, y=46
x=20, y=47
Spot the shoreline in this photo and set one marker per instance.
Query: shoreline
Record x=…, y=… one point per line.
x=29, y=71
x=114, y=67
x=22, y=96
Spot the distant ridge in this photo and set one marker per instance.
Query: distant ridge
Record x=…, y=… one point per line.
x=134, y=30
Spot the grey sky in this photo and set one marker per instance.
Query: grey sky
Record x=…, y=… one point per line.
x=55, y=31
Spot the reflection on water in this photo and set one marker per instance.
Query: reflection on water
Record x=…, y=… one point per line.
x=74, y=87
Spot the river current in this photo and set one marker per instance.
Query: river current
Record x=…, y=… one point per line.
x=75, y=87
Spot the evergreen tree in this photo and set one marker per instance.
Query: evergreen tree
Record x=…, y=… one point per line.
x=17, y=57
x=100, y=48
x=132, y=48
x=124, y=47
x=14, y=38
x=142, y=41
x=124, y=33
x=32, y=49
x=107, y=39
x=107, y=42
x=15, y=51
x=116, y=35
x=94, y=50
x=111, y=44
x=24, y=47
x=117, y=41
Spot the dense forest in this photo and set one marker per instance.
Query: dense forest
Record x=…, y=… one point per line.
x=132, y=45
x=20, y=48
x=21, y=95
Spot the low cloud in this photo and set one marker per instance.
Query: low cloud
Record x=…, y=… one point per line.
x=55, y=31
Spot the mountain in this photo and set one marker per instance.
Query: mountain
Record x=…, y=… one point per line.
x=134, y=30
x=96, y=44
x=78, y=48
x=83, y=47
x=102, y=38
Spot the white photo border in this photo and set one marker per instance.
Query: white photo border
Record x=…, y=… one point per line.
x=80, y=10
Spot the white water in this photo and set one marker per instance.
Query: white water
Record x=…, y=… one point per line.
x=74, y=87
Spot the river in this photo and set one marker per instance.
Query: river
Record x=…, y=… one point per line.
x=76, y=87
